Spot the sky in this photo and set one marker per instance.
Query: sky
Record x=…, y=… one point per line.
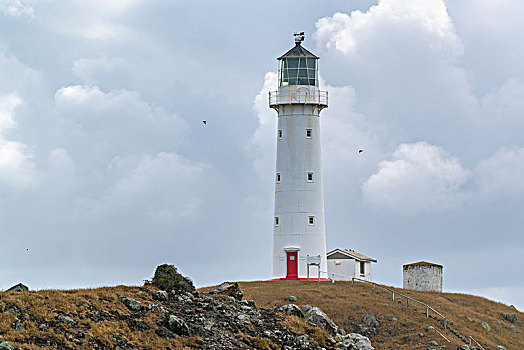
x=106, y=169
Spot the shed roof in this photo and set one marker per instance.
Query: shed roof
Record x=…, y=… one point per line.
x=297, y=51
x=351, y=254
x=423, y=263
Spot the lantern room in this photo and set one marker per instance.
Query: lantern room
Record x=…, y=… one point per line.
x=298, y=66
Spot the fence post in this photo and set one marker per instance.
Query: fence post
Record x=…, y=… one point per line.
x=308, y=272
x=393, y=296
x=352, y=281
x=333, y=278
x=373, y=287
x=445, y=323
x=427, y=311
x=407, y=303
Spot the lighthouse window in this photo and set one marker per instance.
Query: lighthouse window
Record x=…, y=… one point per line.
x=298, y=71
x=309, y=177
x=311, y=220
x=276, y=221
x=362, y=268
x=309, y=133
x=278, y=178
x=280, y=134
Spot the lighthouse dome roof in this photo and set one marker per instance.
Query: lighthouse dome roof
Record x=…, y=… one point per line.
x=297, y=51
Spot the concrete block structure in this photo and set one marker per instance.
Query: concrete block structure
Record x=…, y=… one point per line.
x=298, y=226
x=422, y=275
x=345, y=264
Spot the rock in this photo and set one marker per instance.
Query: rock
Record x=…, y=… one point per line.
x=227, y=289
x=455, y=300
x=154, y=307
x=421, y=335
x=512, y=327
x=19, y=325
x=250, y=303
x=500, y=347
x=42, y=327
x=131, y=303
x=406, y=338
x=464, y=347
x=290, y=309
x=177, y=325
x=394, y=319
x=4, y=345
x=306, y=308
x=355, y=341
x=370, y=321
x=160, y=295
x=168, y=278
x=486, y=326
x=408, y=321
x=318, y=318
x=290, y=298
x=433, y=343
x=513, y=318
x=430, y=329
x=469, y=319
x=66, y=320
x=18, y=288
x=301, y=341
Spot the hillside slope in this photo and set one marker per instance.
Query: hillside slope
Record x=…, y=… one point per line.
x=147, y=318
x=347, y=305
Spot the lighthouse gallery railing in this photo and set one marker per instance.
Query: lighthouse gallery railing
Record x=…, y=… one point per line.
x=296, y=96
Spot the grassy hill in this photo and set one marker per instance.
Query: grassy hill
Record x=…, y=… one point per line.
x=101, y=318
x=347, y=305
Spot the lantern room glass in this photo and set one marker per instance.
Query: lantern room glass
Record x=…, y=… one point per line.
x=298, y=71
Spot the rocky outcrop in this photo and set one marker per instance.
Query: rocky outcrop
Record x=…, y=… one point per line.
x=18, y=288
x=513, y=318
x=318, y=318
x=354, y=341
x=290, y=309
x=226, y=289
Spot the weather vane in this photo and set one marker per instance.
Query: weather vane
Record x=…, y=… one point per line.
x=299, y=37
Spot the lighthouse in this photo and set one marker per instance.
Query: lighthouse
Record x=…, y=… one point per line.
x=299, y=227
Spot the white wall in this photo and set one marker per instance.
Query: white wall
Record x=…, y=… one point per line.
x=295, y=198
x=348, y=267
x=422, y=277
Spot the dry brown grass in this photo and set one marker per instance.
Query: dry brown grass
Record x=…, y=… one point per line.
x=346, y=305
x=44, y=307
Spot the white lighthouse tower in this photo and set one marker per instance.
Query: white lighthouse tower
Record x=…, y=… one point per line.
x=299, y=228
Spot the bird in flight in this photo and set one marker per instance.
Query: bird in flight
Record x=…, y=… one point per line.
x=360, y=151
x=204, y=121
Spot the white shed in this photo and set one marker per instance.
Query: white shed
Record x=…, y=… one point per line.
x=422, y=275
x=345, y=264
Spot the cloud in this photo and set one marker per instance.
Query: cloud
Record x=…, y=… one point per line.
x=352, y=33
x=163, y=186
x=16, y=166
x=116, y=122
x=420, y=177
x=92, y=70
x=502, y=173
x=403, y=59
x=95, y=20
x=16, y=8
x=262, y=144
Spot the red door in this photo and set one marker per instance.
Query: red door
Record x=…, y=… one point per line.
x=292, y=265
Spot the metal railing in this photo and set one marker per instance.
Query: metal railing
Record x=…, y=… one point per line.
x=295, y=96
x=471, y=338
x=393, y=292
